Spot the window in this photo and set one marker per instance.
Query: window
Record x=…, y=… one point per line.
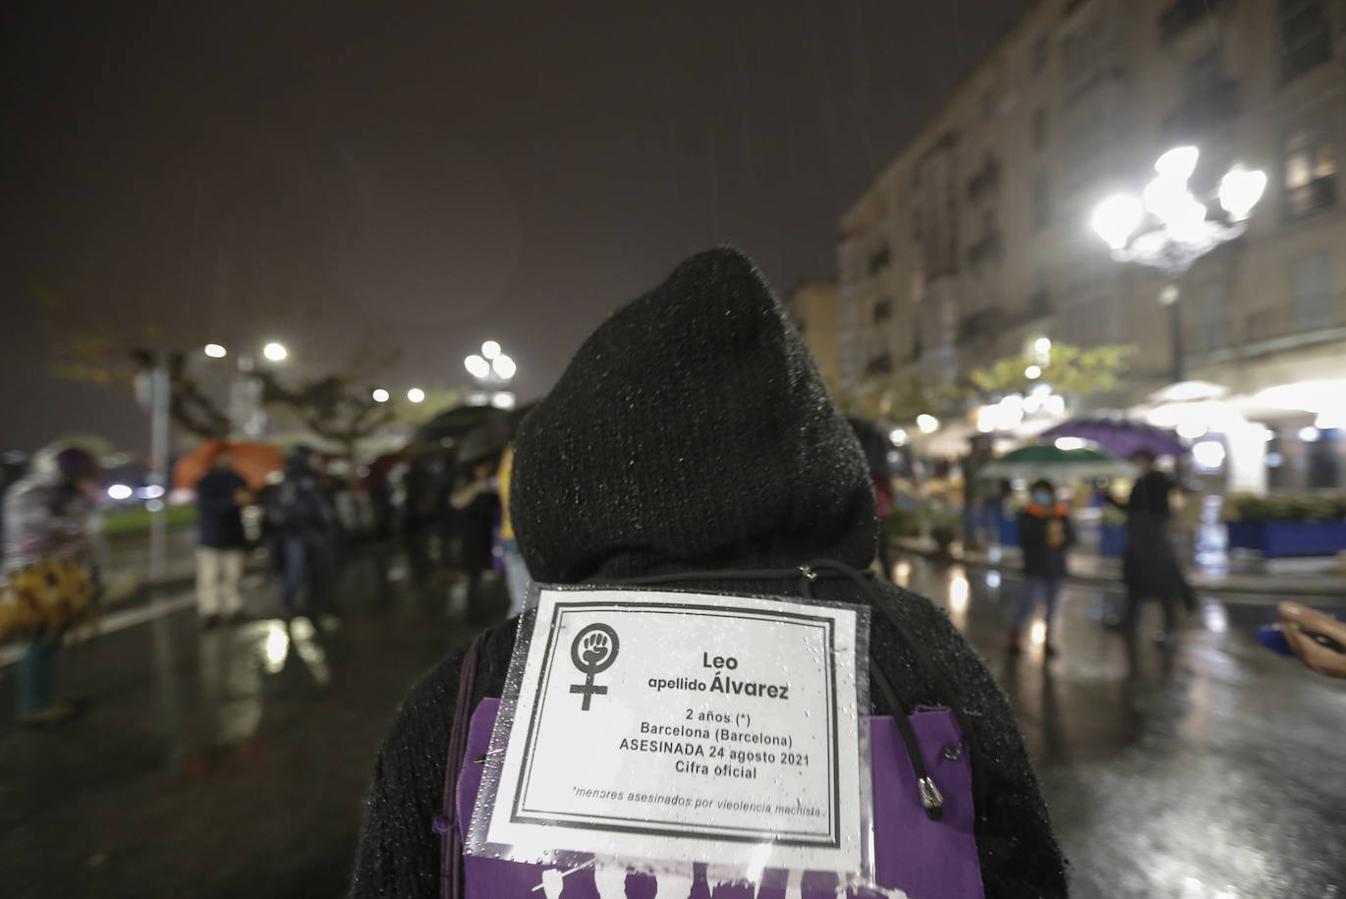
x=879, y=259
x=1306, y=41
x=1205, y=74
x=1040, y=302
x=1039, y=128
x=1041, y=51
x=1311, y=292
x=1042, y=201
x=1212, y=332
x=883, y=311
x=1310, y=174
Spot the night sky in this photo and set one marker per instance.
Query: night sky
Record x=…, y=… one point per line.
x=357, y=175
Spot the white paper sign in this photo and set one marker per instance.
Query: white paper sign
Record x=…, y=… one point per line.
x=686, y=727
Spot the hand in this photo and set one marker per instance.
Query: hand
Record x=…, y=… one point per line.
x=1295, y=620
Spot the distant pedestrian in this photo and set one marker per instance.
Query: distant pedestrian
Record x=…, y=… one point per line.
x=1045, y=535
x=50, y=565
x=221, y=496
x=303, y=527
x=1150, y=566
x=477, y=503
x=516, y=570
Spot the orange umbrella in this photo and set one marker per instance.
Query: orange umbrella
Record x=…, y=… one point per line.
x=254, y=462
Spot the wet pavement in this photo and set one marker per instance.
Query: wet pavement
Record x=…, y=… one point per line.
x=231, y=762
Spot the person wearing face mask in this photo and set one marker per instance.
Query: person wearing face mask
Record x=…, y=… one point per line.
x=1045, y=533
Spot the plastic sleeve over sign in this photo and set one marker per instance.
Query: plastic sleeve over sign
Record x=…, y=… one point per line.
x=653, y=730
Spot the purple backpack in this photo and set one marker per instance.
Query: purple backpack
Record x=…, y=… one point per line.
x=924, y=842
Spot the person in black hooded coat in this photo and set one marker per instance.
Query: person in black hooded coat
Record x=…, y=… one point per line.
x=692, y=431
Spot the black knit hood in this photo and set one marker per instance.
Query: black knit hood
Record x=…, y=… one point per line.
x=690, y=431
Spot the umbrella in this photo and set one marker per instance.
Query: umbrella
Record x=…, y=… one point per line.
x=1043, y=460
x=492, y=436
x=1120, y=436
x=254, y=462
x=452, y=426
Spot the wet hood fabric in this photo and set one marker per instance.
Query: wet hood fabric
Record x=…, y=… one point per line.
x=690, y=431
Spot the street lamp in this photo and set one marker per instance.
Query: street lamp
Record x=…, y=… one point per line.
x=275, y=352
x=477, y=367
x=1169, y=228
x=416, y=395
x=215, y=351
x=492, y=369
x=504, y=367
x=380, y=395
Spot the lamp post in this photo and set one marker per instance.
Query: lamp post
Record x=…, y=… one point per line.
x=493, y=370
x=1167, y=227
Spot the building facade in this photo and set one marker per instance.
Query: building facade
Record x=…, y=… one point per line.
x=975, y=242
x=813, y=307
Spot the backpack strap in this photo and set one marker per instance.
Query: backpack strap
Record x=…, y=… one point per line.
x=446, y=825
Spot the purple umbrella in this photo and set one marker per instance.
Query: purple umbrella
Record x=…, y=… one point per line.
x=1120, y=436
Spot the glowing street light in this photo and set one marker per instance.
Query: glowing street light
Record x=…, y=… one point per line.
x=504, y=367
x=416, y=395
x=380, y=395
x=927, y=423
x=1169, y=228
x=1033, y=372
x=275, y=352
x=215, y=351
x=477, y=366
x=490, y=349
x=1178, y=163
x=898, y=437
x=1240, y=189
x=119, y=491
x=1117, y=218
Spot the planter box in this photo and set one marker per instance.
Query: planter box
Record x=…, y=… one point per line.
x=1111, y=540
x=1284, y=539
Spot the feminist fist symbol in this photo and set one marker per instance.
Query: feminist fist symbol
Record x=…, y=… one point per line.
x=595, y=649
x=593, y=652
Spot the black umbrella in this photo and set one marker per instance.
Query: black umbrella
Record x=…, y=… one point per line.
x=492, y=436
x=451, y=427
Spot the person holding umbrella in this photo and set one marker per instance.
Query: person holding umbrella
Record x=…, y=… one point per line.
x=1150, y=566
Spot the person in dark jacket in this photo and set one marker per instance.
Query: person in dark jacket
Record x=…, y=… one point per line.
x=303, y=526
x=478, y=505
x=692, y=431
x=221, y=547
x=1045, y=534
x=1150, y=567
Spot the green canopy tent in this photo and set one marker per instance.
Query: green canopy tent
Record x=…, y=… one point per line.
x=1050, y=461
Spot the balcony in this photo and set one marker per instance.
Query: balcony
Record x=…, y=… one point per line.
x=1199, y=113
x=1183, y=15
x=985, y=181
x=1309, y=321
x=979, y=325
x=882, y=364
x=1315, y=196
x=987, y=249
